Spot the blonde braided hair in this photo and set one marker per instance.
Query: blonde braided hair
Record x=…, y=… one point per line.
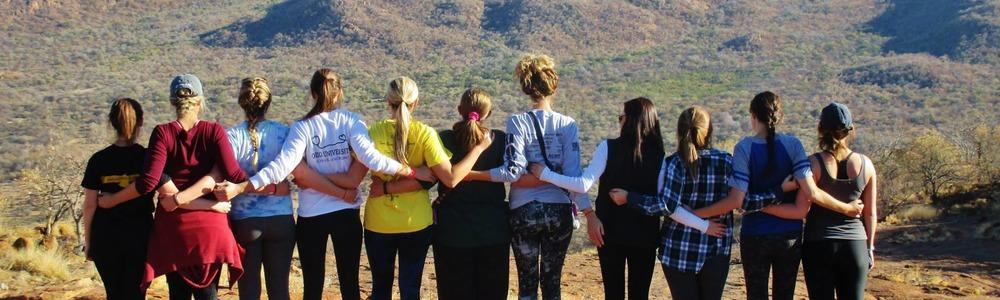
x=255, y=99
x=185, y=101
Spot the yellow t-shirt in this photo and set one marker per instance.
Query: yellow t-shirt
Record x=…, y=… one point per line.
x=406, y=212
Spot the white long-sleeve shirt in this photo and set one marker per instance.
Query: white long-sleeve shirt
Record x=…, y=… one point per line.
x=325, y=141
x=593, y=172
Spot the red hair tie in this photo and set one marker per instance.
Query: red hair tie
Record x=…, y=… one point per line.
x=474, y=116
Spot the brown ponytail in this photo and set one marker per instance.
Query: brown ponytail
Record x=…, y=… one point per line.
x=474, y=107
x=327, y=91
x=834, y=140
x=255, y=99
x=766, y=107
x=694, y=132
x=126, y=118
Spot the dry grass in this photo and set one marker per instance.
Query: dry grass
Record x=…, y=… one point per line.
x=919, y=212
x=48, y=264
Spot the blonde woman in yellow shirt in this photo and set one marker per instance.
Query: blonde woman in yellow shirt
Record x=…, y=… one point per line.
x=400, y=221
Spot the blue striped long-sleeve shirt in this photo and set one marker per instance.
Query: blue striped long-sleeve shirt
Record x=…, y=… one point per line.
x=753, y=173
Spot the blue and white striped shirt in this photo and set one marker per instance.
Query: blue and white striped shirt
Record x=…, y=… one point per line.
x=753, y=172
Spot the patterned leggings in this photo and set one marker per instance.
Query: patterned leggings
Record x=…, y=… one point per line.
x=541, y=231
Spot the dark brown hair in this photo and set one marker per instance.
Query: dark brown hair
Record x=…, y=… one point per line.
x=327, y=90
x=126, y=117
x=641, y=127
x=469, y=132
x=835, y=139
x=766, y=107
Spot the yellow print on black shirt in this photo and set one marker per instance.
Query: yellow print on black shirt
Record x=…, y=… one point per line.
x=121, y=180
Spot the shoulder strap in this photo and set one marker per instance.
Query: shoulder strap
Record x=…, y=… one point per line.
x=541, y=141
x=822, y=165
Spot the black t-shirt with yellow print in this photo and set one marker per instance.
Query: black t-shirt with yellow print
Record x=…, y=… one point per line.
x=111, y=170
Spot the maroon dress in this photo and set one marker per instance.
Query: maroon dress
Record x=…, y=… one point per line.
x=194, y=243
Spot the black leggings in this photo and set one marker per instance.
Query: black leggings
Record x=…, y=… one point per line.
x=835, y=266
x=121, y=263
x=343, y=227
x=706, y=284
x=761, y=254
x=181, y=290
x=640, y=260
x=472, y=272
x=269, y=241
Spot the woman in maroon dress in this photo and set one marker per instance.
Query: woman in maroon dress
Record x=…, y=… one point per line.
x=189, y=246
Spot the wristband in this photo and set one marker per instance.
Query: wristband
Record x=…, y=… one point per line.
x=275, y=190
x=413, y=174
x=385, y=187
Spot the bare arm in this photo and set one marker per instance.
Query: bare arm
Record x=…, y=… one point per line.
x=89, y=207
x=732, y=201
x=306, y=176
x=478, y=176
x=403, y=185
x=870, y=197
x=821, y=198
x=168, y=200
x=352, y=178
x=527, y=181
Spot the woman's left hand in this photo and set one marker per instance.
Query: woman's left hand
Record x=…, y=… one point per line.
x=619, y=196
x=595, y=230
x=104, y=201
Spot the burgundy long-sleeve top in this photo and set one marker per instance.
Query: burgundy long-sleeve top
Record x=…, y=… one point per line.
x=194, y=243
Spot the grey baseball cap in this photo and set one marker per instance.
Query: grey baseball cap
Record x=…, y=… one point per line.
x=185, y=81
x=836, y=115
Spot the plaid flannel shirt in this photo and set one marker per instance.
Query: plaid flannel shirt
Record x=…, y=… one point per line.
x=684, y=248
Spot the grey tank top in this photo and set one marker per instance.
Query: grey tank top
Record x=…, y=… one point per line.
x=822, y=223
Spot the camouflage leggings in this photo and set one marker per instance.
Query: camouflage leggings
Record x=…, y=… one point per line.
x=540, y=231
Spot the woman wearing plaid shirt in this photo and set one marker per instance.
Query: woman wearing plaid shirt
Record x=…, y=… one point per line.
x=696, y=265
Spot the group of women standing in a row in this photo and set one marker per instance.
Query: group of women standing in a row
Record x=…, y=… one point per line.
x=224, y=199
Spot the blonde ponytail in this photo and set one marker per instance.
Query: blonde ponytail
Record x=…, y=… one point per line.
x=255, y=99
x=694, y=133
x=401, y=96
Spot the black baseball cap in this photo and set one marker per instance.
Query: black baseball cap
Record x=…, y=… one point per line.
x=836, y=115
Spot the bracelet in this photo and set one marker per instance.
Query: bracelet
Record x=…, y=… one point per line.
x=412, y=175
